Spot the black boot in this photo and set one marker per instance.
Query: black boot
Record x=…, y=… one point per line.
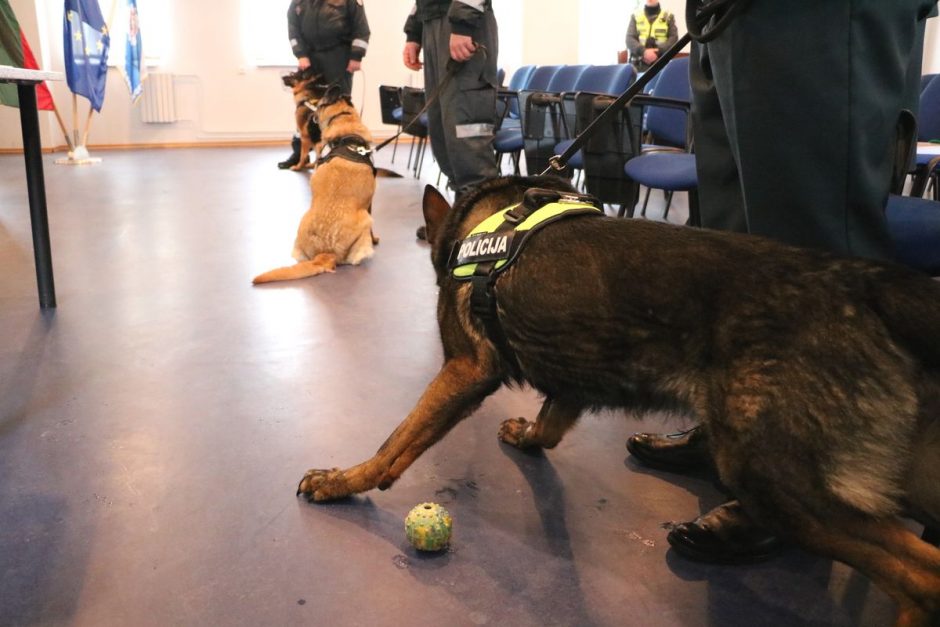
x=675, y=452
x=725, y=535
x=294, y=159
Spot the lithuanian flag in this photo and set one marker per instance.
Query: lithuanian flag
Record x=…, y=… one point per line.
x=14, y=50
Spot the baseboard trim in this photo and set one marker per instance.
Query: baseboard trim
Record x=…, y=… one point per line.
x=253, y=143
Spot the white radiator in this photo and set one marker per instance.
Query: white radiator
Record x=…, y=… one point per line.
x=158, y=101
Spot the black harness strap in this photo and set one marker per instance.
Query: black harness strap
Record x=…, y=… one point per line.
x=483, y=279
x=352, y=148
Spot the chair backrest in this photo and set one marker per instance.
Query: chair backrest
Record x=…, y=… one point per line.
x=389, y=100
x=669, y=126
x=565, y=78
x=518, y=82
x=928, y=120
x=606, y=79
x=520, y=78
x=412, y=101
x=925, y=80
x=500, y=77
x=541, y=77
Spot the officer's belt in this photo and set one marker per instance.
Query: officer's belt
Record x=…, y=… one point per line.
x=351, y=148
x=494, y=244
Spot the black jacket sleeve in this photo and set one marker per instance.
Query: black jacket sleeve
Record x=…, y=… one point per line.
x=413, y=26
x=294, y=29
x=466, y=16
x=360, y=29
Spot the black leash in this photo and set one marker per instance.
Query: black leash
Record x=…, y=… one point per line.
x=696, y=19
x=452, y=68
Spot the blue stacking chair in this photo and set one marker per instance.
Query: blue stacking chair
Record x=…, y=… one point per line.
x=914, y=224
x=412, y=101
x=542, y=118
x=665, y=160
x=508, y=99
x=390, y=105
x=509, y=141
x=928, y=129
x=606, y=80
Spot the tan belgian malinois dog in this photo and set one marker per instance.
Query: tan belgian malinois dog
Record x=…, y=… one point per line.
x=337, y=229
x=817, y=376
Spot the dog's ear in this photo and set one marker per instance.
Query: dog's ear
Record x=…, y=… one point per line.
x=435, y=207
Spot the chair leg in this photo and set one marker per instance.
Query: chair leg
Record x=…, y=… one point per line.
x=646, y=200
x=668, y=204
x=695, y=218
x=411, y=151
x=629, y=209
x=424, y=146
x=395, y=147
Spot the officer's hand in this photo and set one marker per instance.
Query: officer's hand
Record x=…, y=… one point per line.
x=354, y=66
x=303, y=63
x=650, y=55
x=410, y=54
x=461, y=47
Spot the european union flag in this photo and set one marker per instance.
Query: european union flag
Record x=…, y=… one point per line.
x=86, y=50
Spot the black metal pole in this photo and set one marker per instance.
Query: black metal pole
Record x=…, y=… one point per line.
x=35, y=184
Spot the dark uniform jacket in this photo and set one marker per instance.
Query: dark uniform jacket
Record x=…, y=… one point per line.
x=318, y=25
x=465, y=16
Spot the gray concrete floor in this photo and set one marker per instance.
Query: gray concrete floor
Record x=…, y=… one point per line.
x=153, y=429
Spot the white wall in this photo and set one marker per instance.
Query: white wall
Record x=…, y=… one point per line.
x=222, y=99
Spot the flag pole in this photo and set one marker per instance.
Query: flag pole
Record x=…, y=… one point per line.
x=74, y=120
x=91, y=110
x=65, y=131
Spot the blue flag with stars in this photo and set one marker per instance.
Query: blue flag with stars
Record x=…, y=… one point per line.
x=86, y=50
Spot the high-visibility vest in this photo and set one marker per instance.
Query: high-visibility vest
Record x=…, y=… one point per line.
x=660, y=27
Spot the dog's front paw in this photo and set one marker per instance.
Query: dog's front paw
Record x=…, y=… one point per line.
x=515, y=431
x=323, y=485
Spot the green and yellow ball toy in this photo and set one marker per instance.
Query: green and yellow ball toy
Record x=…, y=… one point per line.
x=428, y=527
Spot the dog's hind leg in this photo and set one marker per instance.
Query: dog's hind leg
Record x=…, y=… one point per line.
x=904, y=566
x=460, y=386
x=553, y=421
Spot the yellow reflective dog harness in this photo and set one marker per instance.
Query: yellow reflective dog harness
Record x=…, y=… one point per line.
x=495, y=243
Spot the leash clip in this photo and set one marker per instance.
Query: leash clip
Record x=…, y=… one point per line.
x=556, y=164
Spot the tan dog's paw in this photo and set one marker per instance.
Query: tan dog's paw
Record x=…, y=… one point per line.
x=514, y=432
x=323, y=485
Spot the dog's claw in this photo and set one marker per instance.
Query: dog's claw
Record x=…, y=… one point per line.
x=514, y=431
x=323, y=485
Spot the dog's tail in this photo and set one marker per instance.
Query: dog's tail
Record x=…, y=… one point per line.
x=324, y=262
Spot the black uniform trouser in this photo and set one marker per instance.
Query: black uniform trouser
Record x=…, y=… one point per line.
x=795, y=109
x=332, y=65
x=462, y=120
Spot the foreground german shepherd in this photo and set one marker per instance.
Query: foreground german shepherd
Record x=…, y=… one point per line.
x=818, y=377
x=337, y=229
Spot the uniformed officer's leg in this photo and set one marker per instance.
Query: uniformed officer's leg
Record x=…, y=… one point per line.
x=436, y=44
x=814, y=129
x=721, y=203
x=469, y=111
x=332, y=65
